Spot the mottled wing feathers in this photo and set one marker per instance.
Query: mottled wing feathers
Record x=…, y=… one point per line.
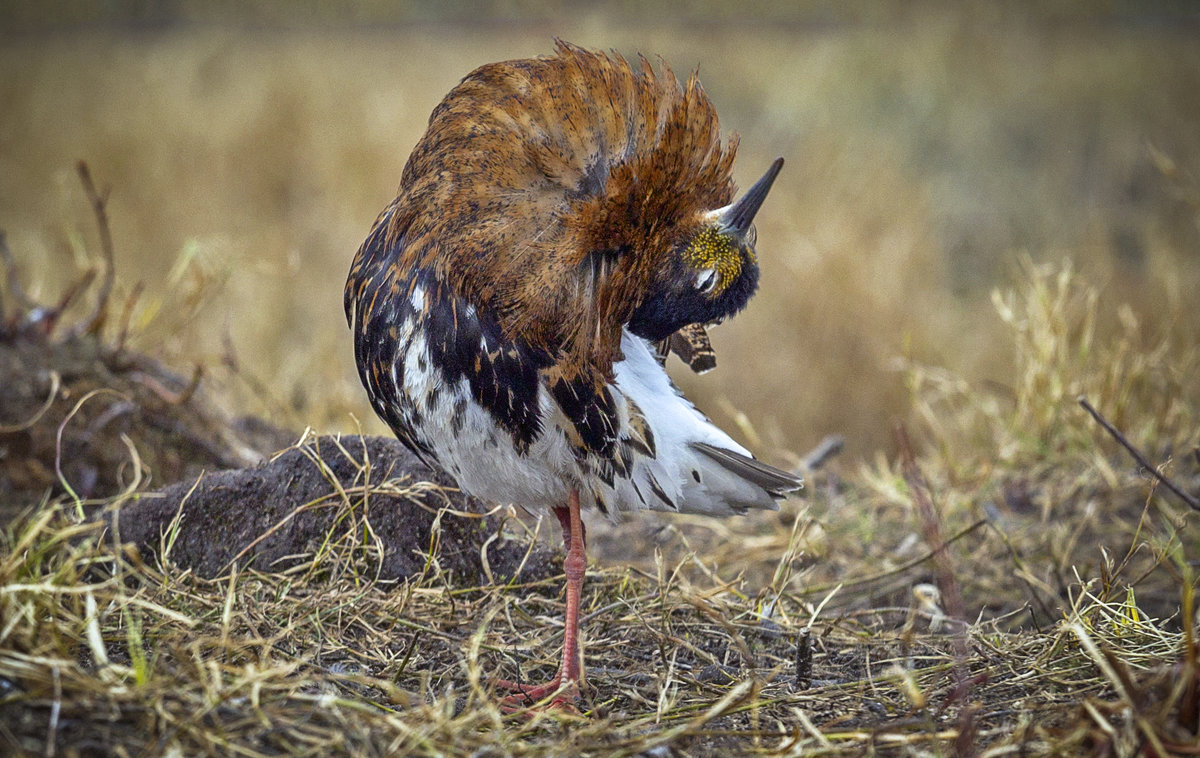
x=379, y=314
x=550, y=190
x=409, y=324
x=692, y=345
x=502, y=304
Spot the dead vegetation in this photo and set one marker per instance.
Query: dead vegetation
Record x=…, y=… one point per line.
x=85, y=417
x=109, y=655
x=1011, y=584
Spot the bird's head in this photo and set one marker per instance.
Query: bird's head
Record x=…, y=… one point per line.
x=713, y=270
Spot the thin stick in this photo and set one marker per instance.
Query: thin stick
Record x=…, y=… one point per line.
x=828, y=448
x=1137, y=455
x=167, y=396
x=98, y=201
x=820, y=588
x=47, y=319
x=29, y=316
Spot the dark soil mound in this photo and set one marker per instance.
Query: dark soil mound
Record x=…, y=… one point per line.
x=351, y=503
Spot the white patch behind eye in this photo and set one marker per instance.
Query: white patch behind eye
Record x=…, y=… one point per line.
x=706, y=279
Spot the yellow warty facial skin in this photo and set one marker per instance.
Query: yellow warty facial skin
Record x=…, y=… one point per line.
x=712, y=249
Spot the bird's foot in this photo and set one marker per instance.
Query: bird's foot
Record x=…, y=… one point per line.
x=531, y=696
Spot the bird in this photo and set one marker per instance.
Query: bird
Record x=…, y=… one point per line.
x=565, y=223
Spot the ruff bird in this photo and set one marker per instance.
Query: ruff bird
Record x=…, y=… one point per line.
x=565, y=222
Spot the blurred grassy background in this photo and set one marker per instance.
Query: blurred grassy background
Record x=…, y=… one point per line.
x=249, y=147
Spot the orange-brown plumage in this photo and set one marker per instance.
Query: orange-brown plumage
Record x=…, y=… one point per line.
x=530, y=166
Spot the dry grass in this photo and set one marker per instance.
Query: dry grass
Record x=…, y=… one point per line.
x=1020, y=587
x=99, y=655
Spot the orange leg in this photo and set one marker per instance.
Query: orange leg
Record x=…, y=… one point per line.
x=569, y=670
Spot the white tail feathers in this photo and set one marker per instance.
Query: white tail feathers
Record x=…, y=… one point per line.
x=696, y=468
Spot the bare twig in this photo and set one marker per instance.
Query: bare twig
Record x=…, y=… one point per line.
x=816, y=589
x=30, y=317
x=46, y=319
x=229, y=358
x=98, y=201
x=931, y=526
x=1138, y=456
x=829, y=447
x=804, y=660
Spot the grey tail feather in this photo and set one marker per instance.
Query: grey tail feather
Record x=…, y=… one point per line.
x=776, y=482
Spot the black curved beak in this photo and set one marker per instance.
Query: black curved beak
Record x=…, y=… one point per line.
x=740, y=215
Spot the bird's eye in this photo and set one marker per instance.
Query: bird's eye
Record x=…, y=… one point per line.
x=706, y=280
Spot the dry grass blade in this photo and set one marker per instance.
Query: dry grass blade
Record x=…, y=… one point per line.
x=55, y=383
x=930, y=525
x=98, y=200
x=58, y=447
x=252, y=663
